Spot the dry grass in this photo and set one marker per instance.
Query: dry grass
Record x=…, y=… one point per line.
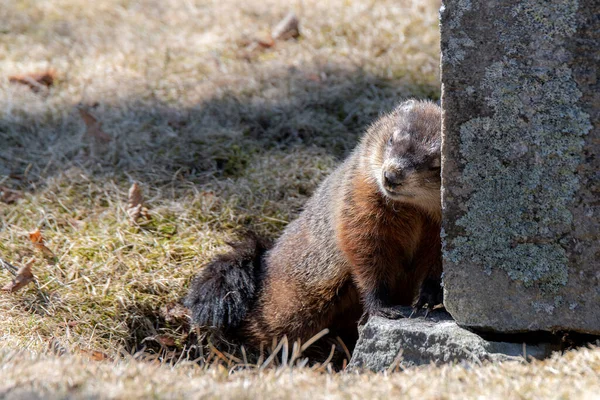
x=219, y=137
x=576, y=375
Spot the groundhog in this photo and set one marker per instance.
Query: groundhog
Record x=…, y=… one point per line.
x=367, y=242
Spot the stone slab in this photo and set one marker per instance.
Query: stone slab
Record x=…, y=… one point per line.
x=521, y=164
x=437, y=339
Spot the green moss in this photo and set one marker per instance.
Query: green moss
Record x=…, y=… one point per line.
x=521, y=161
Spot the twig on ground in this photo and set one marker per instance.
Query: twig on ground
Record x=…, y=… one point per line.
x=8, y=266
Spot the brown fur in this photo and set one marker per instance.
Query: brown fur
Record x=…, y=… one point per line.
x=351, y=242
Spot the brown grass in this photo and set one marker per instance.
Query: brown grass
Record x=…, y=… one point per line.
x=576, y=375
x=219, y=137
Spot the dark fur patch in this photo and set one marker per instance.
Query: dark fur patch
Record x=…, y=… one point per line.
x=431, y=294
x=225, y=289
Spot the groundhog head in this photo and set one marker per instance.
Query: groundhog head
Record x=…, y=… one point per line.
x=406, y=161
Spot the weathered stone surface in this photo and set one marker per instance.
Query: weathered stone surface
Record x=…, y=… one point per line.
x=437, y=338
x=521, y=162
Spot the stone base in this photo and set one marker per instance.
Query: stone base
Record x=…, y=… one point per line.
x=436, y=339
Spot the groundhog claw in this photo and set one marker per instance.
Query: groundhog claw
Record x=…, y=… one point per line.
x=431, y=295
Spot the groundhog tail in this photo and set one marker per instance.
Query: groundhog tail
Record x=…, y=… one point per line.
x=225, y=289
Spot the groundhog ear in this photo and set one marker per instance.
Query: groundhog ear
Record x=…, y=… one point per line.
x=407, y=105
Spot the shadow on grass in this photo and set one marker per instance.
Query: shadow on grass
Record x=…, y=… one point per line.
x=294, y=112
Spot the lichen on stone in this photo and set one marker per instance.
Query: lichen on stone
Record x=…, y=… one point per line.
x=521, y=160
x=552, y=18
x=456, y=44
x=545, y=307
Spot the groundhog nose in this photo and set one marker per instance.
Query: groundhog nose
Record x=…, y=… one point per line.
x=393, y=178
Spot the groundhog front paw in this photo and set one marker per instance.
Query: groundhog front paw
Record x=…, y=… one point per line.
x=430, y=295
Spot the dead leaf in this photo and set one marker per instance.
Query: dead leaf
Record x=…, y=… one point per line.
x=36, y=237
x=257, y=46
x=9, y=196
x=288, y=28
x=38, y=242
x=94, y=127
x=173, y=312
x=165, y=340
x=99, y=356
x=95, y=355
x=36, y=80
x=135, y=204
x=23, y=277
x=266, y=43
x=135, y=201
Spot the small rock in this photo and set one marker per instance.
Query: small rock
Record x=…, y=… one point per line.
x=437, y=339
